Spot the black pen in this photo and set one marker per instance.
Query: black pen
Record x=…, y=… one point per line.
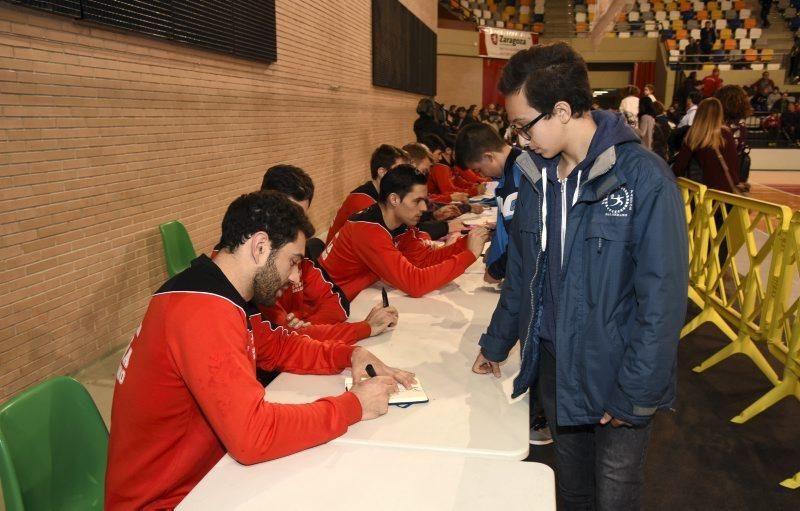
x=371, y=371
x=385, y=297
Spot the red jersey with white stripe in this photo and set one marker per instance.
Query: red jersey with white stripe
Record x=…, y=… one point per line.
x=365, y=251
x=440, y=181
x=359, y=199
x=186, y=392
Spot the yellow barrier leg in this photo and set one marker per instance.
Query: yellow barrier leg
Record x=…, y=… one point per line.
x=695, y=297
x=788, y=387
x=745, y=346
x=792, y=483
x=708, y=315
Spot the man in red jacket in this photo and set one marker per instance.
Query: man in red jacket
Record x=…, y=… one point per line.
x=385, y=157
x=186, y=391
x=314, y=306
x=381, y=242
x=441, y=178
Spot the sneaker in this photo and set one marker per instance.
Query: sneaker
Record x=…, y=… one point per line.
x=540, y=432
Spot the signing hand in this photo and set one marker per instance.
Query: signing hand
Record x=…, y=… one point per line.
x=381, y=318
x=294, y=322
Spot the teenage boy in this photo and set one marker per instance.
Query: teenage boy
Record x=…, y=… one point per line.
x=382, y=243
x=596, y=279
x=312, y=306
x=384, y=158
x=186, y=390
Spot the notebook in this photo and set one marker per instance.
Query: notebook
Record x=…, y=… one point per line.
x=404, y=397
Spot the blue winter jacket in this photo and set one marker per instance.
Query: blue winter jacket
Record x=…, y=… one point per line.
x=623, y=288
x=506, y=196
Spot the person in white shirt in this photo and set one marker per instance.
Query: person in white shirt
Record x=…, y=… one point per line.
x=695, y=97
x=629, y=106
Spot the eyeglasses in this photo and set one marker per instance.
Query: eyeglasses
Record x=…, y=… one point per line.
x=524, y=130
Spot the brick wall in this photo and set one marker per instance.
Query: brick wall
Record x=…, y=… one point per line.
x=106, y=134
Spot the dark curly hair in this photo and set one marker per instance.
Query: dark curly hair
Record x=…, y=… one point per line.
x=549, y=74
x=291, y=180
x=735, y=105
x=263, y=211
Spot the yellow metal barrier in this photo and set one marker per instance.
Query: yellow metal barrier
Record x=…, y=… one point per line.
x=784, y=332
x=734, y=295
x=697, y=220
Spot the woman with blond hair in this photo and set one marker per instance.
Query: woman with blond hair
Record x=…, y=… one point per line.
x=710, y=148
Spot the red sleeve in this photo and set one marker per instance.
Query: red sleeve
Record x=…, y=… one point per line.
x=384, y=259
x=279, y=348
x=214, y=361
x=348, y=333
x=440, y=197
x=443, y=180
x=354, y=203
x=423, y=254
x=321, y=304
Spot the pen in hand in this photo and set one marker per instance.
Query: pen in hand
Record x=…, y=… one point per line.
x=385, y=297
x=371, y=371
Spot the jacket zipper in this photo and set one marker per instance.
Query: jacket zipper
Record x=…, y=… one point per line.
x=524, y=341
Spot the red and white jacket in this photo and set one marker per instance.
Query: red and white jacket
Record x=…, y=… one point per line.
x=186, y=392
x=359, y=199
x=365, y=251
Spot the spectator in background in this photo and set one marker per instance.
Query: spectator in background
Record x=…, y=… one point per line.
x=708, y=36
x=694, y=99
x=766, y=5
x=710, y=144
x=791, y=122
x=764, y=83
x=774, y=101
x=629, y=106
x=661, y=132
x=735, y=109
x=692, y=54
x=794, y=59
x=647, y=121
x=711, y=83
x=426, y=123
x=649, y=91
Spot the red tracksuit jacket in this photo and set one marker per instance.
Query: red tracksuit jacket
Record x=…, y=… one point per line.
x=186, y=392
x=440, y=181
x=365, y=250
x=320, y=302
x=359, y=199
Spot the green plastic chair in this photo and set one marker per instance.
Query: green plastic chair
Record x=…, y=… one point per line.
x=178, y=248
x=53, y=448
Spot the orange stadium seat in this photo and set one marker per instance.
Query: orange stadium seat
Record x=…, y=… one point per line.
x=750, y=55
x=671, y=44
x=701, y=15
x=750, y=23
x=730, y=44
x=682, y=35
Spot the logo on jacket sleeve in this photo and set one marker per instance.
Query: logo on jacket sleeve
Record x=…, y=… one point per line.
x=619, y=202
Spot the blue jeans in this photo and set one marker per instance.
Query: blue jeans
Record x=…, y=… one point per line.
x=598, y=467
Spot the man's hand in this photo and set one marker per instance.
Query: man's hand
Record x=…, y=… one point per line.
x=294, y=322
x=477, y=209
x=447, y=212
x=476, y=239
x=487, y=277
x=459, y=197
x=373, y=394
x=381, y=318
x=455, y=226
x=614, y=422
x=484, y=366
x=362, y=357
x=481, y=188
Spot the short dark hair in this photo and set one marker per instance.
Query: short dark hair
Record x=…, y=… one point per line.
x=696, y=96
x=263, y=211
x=400, y=180
x=291, y=180
x=384, y=157
x=549, y=74
x=474, y=140
x=433, y=142
x=418, y=152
